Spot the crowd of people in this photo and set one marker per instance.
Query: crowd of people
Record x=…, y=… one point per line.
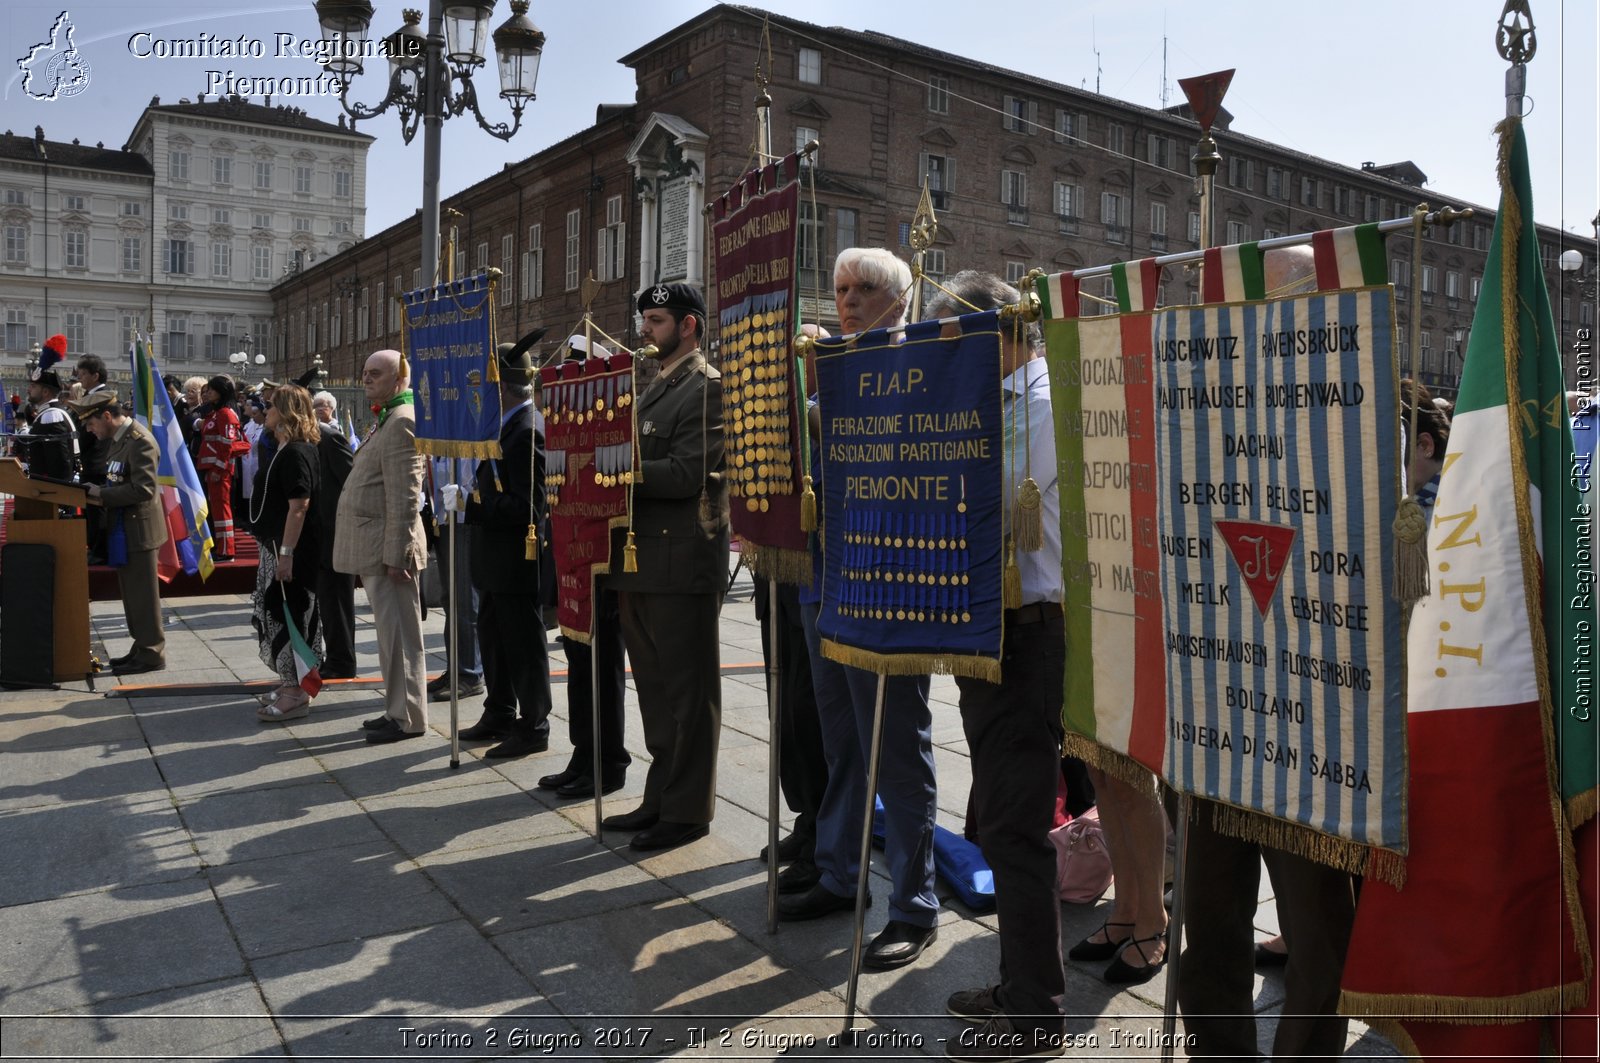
x=325, y=516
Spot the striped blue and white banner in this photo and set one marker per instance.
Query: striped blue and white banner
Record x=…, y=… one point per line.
x=1277, y=436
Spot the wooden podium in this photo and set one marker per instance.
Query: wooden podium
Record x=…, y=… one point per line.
x=36, y=518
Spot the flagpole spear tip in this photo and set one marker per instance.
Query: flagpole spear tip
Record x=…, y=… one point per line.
x=1516, y=42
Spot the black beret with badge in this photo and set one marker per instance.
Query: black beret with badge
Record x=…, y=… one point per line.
x=678, y=297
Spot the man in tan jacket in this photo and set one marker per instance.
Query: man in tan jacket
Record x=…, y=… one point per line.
x=378, y=536
x=132, y=500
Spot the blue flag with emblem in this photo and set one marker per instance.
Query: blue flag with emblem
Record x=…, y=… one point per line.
x=455, y=376
x=912, y=524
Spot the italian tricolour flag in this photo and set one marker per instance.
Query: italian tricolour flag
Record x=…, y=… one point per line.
x=1489, y=933
x=305, y=661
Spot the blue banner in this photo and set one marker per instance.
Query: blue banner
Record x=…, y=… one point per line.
x=912, y=489
x=454, y=373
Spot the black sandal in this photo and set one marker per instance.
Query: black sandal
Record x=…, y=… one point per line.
x=1092, y=951
x=1123, y=973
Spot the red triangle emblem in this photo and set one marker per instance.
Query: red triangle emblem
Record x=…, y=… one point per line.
x=1204, y=94
x=1262, y=552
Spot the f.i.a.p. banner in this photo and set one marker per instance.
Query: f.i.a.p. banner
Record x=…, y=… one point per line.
x=1229, y=484
x=450, y=345
x=754, y=229
x=912, y=480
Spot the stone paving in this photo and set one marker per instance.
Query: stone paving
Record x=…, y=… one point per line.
x=180, y=881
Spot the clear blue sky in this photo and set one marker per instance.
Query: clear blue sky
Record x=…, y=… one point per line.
x=1379, y=80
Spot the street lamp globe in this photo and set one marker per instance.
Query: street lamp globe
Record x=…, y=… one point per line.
x=518, y=46
x=408, y=50
x=1571, y=260
x=466, y=25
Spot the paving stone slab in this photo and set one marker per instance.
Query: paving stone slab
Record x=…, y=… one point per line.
x=492, y=812
x=95, y=947
x=216, y=1021
x=236, y=826
x=73, y=848
x=76, y=774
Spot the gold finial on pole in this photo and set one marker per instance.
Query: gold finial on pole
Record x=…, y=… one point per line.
x=447, y=259
x=588, y=291
x=1516, y=42
x=924, y=230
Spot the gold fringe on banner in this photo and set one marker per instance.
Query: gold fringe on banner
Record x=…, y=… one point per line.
x=576, y=635
x=1581, y=808
x=1119, y=766
x=459, y=448
x=973, y=667
x=1340, y=853
x=785, y=566
x=1465, y=1011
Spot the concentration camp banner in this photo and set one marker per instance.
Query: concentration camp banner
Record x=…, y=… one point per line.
x=913, y=532
x=754, y=232
x=1276, y=450
x=449, y=341
x=588, y=473
x=1115, y=704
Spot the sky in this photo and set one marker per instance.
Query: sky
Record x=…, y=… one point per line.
x=1362, y=80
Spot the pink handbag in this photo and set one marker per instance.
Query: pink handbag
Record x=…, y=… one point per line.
x=1083, y=865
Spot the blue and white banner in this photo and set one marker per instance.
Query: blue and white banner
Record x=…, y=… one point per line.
x=913, y=534
x=455, y=375
x=1277, y=445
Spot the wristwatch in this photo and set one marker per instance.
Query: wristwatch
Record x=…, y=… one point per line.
x=285, y=551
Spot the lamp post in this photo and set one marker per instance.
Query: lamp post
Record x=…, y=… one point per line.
x=430, y=77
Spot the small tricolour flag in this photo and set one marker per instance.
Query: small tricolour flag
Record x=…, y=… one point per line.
x=1232, y=274
x=1351, y=257
x=305, y=662
x=1138, y=285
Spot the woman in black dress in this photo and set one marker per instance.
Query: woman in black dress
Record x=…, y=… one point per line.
x=280, y=513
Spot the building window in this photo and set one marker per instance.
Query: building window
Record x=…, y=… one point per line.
x=1474, y=286
x=1015, y=272
x=803, y=135
x=1158, y=226
x=1115, y=214
x=381, y=317
x=809, y=66
x=1480, y=237
x=574, y=231
x=336, y=324
x=261, y=262
x=343, y=179
x=177, y=211
x=302, y=225
x=395, y=306
x=16, y=245
x=1452, y=285
x=264, y=176
x=177, y=336
x=132, y=253
x=1343, y=201
x=1239, y=172
x=220, y=340
x=132, y=208
x=221, y=259
x=221, y=216
x=416, y=278
x=221, y=170
x=845, y=224
x=1371, y=209
x=363, y=316
x=1194, y=227
x=1399, y=272
x=807, y=253
x=75, y=326
x=1430, y=283
x=177, y=165
x=1070, y=126
x=940, y=173
x=613, y=241
x=1021, y=116
x=71, y=202
x=508, y=257
x=1014, y=194
x=483, y=255
x=75, y=249
x=18, y=335
x=302, y=179
x=1159, y=151
x=1115, y=138
x=16, y=197
x=1277, y=182
x=1238, y=232
x=180, y=256
x=1069, y=206
x=260, y=220
x=1310, y=191
x=533, y=264
x=938, y=94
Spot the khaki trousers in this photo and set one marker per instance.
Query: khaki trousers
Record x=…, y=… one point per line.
x=397, y=616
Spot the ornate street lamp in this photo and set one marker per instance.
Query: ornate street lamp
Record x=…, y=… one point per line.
x=430, y=76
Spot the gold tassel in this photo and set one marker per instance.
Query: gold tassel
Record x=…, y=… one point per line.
x=630, y=555
x=530, y=550
x=808, y=506
x=1410, y=552
x=707, y=515
x=1029, y=520
x=1013, y=579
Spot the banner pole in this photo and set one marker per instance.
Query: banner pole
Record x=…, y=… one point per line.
x=452, y=618
x=774, y=685
x=866, y=857
x=594, y=627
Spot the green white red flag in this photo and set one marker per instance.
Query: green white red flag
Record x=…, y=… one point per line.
x=1489, y=928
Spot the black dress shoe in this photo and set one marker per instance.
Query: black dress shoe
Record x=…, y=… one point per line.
x=377, y=723
x=137, y=667
x=558, y=780
x=391, y=731
x=337, y=673
x=899, y=944
x=439, y=689
x=638, y=819
x=668, y=835
x=516, y=745
x=789, y=849
x=487, y=729
x=798, y=877
x=583, y=786
x=814, y=903
x=117, y=662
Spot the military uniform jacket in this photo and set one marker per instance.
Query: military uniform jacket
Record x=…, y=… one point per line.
x=680, y=444
x=132, y=461
x=379, y=522
x=498, y=519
